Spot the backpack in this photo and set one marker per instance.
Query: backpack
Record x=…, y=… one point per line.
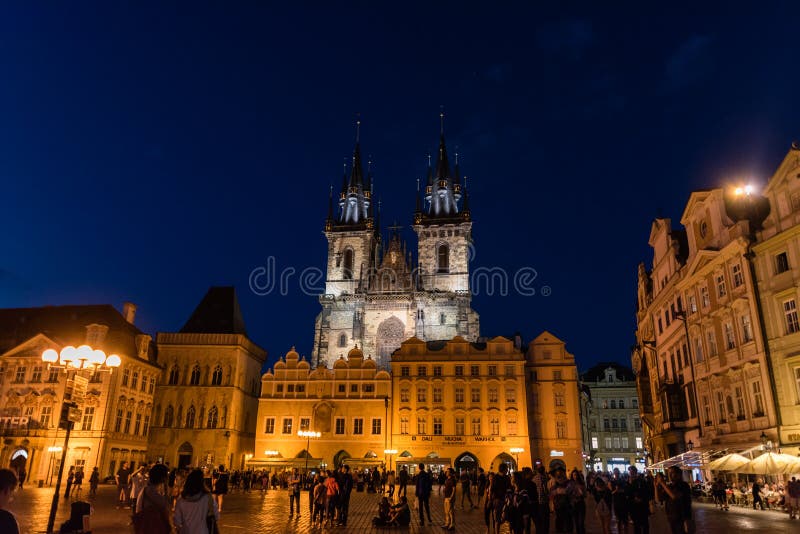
x=514, y=506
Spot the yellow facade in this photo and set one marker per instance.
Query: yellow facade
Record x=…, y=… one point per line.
x=348, y=405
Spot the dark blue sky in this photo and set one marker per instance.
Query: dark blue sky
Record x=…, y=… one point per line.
x=147, y=153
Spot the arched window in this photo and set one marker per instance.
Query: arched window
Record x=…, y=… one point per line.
x=195, y=378
x=347, y=268
x=190, y=417
x=443, y=258
x=216, y=378
x=169, y=416
x=174, y=374
x=342, y=340
x=213, y=417
x=179, y=417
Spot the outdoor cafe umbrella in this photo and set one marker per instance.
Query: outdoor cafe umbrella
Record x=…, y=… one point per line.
x=729, y=462
x=770, y=463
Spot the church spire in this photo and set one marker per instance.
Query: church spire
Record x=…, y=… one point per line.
x=441, y=194
x=356, y=197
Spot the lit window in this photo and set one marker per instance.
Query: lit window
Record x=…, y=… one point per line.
x=561, y=430
x=705, y=301
x=721, y=290
x=269, y=427
x=404, y=425
x=492, y=395
x=476, y=426
x=738, y=277
x=595, y=444
x=287, y=425
x=747, y=328
x=88, y=418
x=438, y=426
x=437, y=395
x=422, y=394
x=638, y=442
x=422, y=425
x=459, y=395
x=376, y=426
x=758, y=399
x=494, y=425
x=730, y=338
x=790, y=313
x=404, y=395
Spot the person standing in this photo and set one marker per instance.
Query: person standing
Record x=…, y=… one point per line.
x=8, y=483
x=576, y=489
x=677, y=498
x=500, y=485
x=153, y=496
x=390, y=481
x=403, y=480
x=450, y=500
x=331, y=497
x=70, y=481
x=94, y=481
x=542, y=515
x=423, y=488
x=637, y=494
x=465, y=489
x=194, y=505
x=294, y=492
x=559, y=495
x=481, y=484
x=121, y=478
x=78, y=483
x=603, y=502
x=220, y=487
x=757, y=501
x=793, y=498
x=22, y=475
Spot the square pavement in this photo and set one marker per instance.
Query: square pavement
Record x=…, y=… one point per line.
x=269, y=513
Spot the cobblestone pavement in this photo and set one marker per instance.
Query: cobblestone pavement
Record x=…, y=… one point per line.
x=268, y=513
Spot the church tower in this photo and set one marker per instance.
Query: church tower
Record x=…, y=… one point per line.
x=374, y=298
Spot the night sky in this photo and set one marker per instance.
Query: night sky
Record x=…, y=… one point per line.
x=149, y=153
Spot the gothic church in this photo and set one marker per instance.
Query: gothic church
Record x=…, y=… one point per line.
x=376, y=294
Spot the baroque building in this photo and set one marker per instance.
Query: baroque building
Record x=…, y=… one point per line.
x=347, y=404
x=612, y=430
x=376, y=294
x=715, y=358
x=115, y=411
x=207, y=399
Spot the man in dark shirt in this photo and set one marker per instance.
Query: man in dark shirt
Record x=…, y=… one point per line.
x=424, y=485
x=345, y=488
x=757, y=501
x=450, y=500
x=403, y=480
x=122, y=478
x=8, y=483
x=677, y=497
x=637, y=496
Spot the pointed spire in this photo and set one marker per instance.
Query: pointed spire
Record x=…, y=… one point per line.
x=465, y=206
x=456, y=171
x=344, y=178
x=330, y=204
x=419, y=199
x=430, y=171
x=442, y=163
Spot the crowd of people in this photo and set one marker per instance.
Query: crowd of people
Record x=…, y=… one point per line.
x=774, y=496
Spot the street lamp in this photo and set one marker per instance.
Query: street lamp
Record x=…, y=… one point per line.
x=73, y=360
x=308, y=434
x=515, y=451
x=389, y=453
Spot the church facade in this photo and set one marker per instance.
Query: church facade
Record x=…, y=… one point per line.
x=378, y=294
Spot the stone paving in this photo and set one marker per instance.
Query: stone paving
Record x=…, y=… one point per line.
x=268, y=513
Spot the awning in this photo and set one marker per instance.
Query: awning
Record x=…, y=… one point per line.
x=686, y=460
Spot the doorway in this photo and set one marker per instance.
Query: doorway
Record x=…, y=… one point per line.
x=185, y=455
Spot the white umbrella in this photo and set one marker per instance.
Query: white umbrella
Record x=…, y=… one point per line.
x=769, y=463
x=792, y=464
x=729, y=462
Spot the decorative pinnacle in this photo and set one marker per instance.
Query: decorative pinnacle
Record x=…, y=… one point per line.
x=358, y=127
x=465, y=182
x=417, y=185
x=456, y=154
x=441, y=119
x=429, y=159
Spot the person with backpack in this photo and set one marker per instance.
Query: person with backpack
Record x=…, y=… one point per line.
x=603, y=501
x=449, y=505
x=424, y=487
x=516, y=510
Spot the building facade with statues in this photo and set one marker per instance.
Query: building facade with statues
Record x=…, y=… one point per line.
x=114, y=408
x=207, y=400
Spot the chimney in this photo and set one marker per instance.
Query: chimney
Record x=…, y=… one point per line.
x=129, y=311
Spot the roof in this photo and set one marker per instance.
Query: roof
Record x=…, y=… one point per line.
x=217, y=313
x=67, y=325
x=598, y=372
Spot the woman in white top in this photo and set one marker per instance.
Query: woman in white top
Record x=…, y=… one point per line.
x=194, y=505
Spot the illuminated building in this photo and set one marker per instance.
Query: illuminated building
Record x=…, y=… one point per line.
x=115, y=412
x=207, y=398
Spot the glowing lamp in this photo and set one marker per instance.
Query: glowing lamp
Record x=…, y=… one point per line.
x=97, y=357
x=83, y=352
x=50, y=356
x=113, y=361
x=68, y=354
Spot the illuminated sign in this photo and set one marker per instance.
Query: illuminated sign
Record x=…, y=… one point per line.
x=556, y=453
x=12, y=422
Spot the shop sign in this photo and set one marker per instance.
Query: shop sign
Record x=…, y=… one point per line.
x=14, y=422
x=556, y=453
x=484, y=438
x=454, y=439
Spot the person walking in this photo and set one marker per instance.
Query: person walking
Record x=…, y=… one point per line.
x=603, y=503
x=500, y=485
x=77, y=484
x=8, y=483
x=152, y=500
x=542, y=511
x=449, y=506
x=390, y=482
x=638, y=495
x=94, y=481
x=70, y=481
x=194, y=505
x=677, y=498
x=481, y=483
x=423, y=488
x=402, y=478
x=219, y=481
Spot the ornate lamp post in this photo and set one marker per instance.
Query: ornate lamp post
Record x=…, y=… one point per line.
x=308, y=434
x=72, y=361
x=515, y=451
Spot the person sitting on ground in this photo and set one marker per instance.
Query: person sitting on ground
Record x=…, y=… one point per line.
x=8, y=483
x=400, y=515
x=384, y=512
